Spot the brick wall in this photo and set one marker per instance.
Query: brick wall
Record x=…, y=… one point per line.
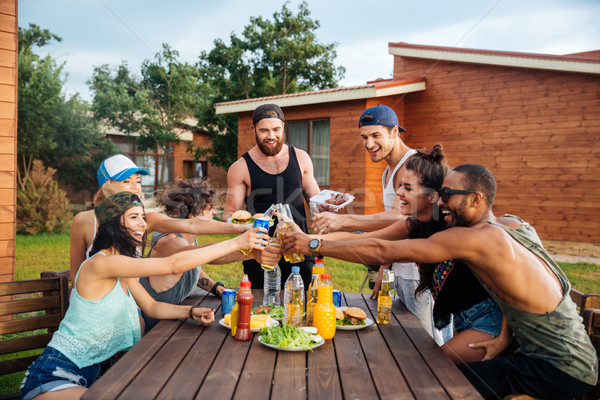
x=538, y=132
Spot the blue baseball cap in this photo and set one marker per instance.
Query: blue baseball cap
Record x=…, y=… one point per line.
x=379, y=115
x=118, y=168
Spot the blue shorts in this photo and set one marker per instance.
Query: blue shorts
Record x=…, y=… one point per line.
x=52, y=370
x=485, y=317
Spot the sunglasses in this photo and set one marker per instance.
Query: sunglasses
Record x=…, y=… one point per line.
x=445, y=193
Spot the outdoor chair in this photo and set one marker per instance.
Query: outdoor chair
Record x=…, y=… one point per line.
x=30, y=311
x=585, y=300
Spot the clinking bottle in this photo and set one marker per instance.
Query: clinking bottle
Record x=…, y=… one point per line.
x=324, y=311
x=244, y=304
x=384, y=301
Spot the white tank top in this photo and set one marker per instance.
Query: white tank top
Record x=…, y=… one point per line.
x=409, y=270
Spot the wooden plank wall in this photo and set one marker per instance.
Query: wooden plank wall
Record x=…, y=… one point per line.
x=8, y=135
x=538, y=132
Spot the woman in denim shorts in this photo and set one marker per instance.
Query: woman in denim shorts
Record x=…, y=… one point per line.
x=102, y=318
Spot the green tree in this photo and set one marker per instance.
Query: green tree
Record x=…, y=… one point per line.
x=273, y=57
x=58, y=131
x=151, y=108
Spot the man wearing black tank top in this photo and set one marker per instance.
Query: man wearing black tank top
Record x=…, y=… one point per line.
x=271, y=172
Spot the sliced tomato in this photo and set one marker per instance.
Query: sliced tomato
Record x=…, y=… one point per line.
x=263, y=310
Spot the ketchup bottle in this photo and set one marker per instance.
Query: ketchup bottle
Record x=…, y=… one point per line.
x=244, y=301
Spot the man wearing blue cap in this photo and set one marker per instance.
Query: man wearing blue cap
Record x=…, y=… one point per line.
x=380, y=133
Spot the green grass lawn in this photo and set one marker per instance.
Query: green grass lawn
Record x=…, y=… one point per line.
x=50, y=252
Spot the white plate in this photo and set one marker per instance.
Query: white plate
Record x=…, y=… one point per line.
x=323, y=195
x=290, y=348
x=368, y=322
x=253, y=330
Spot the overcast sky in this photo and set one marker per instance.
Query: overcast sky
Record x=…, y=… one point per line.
x=97, y=32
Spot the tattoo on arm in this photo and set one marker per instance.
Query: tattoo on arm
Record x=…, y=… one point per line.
x=203, y=283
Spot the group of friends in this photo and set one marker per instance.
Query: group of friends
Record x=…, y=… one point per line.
x=477, y=282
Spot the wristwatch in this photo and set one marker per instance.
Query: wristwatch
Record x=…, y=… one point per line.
x=213, y=289
x=315, y=246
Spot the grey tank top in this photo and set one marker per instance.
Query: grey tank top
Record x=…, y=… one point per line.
x=559, y=336
x=175, y=295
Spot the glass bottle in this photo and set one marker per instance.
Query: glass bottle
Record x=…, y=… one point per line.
x=384, y=301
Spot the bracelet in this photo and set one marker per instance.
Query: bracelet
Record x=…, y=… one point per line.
x=191, y=309
x=213, y=289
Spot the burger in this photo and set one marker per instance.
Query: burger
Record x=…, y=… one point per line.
x=241, y=217
x=350, y=316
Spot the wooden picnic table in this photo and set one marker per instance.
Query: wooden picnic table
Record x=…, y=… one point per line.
x=183, y=360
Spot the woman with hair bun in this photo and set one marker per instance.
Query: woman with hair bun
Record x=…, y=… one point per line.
x=481, y=332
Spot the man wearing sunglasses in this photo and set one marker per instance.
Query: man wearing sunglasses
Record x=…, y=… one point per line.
x=556, y=358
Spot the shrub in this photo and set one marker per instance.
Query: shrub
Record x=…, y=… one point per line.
x=41, y=205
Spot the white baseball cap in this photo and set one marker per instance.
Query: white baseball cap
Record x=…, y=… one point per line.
x=118, y=168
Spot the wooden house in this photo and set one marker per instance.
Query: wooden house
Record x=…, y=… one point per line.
x=8, y=136
x=533, y=119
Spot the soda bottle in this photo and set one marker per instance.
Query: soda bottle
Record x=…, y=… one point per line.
x=384, y=301
x=244, y=301
x=317, y=270
x=272, y=286
x=324, y=311
x=287, y=291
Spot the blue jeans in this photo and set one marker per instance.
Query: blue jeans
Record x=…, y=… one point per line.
x=422, y=307
x=485, y=317
x=52, y=370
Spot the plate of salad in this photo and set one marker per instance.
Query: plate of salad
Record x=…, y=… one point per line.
x=275, y=312
x=288, y=338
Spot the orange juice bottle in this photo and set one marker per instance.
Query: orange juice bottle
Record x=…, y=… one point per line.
x=324, y=311
x=234, y=316
x=317, y=270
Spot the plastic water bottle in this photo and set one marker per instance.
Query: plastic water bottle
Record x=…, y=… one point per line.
x=287, y=291
x=272, y=286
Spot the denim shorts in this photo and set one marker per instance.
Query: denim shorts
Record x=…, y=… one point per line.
x=485, y=317
x=52, y=370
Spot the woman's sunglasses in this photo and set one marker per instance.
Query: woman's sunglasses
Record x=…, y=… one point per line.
x=445, y=193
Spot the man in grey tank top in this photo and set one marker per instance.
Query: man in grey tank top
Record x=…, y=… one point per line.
x=556, y=359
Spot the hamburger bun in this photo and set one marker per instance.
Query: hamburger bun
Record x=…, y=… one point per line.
x=356, y=313
x=257, y=216
x=241, y=217
x=339, y=312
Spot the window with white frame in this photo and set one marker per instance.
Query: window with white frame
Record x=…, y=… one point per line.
x=312, y=136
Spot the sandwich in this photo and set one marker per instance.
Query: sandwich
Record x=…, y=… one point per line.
x=350, y=316
x=241, y=217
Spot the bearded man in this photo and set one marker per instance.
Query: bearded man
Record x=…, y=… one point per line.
x=271, y=172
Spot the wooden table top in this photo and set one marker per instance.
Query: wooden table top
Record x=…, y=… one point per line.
x=181, y=359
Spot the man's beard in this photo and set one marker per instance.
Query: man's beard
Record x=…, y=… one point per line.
x=269, y=150
x=458, y=218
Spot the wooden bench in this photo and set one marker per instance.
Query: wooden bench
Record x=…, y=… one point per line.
x=585, y=300
x=36, y=308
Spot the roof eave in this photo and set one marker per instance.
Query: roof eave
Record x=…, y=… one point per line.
x=365, y=92
x=491, y=59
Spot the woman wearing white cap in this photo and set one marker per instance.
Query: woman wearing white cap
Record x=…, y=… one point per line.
x=117, y=174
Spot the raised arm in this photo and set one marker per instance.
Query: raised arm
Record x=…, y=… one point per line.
x=453, y=243
x=128, y=267
x=310, y=187
x=172, y=244
x=237, y=184
x=161, y=223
